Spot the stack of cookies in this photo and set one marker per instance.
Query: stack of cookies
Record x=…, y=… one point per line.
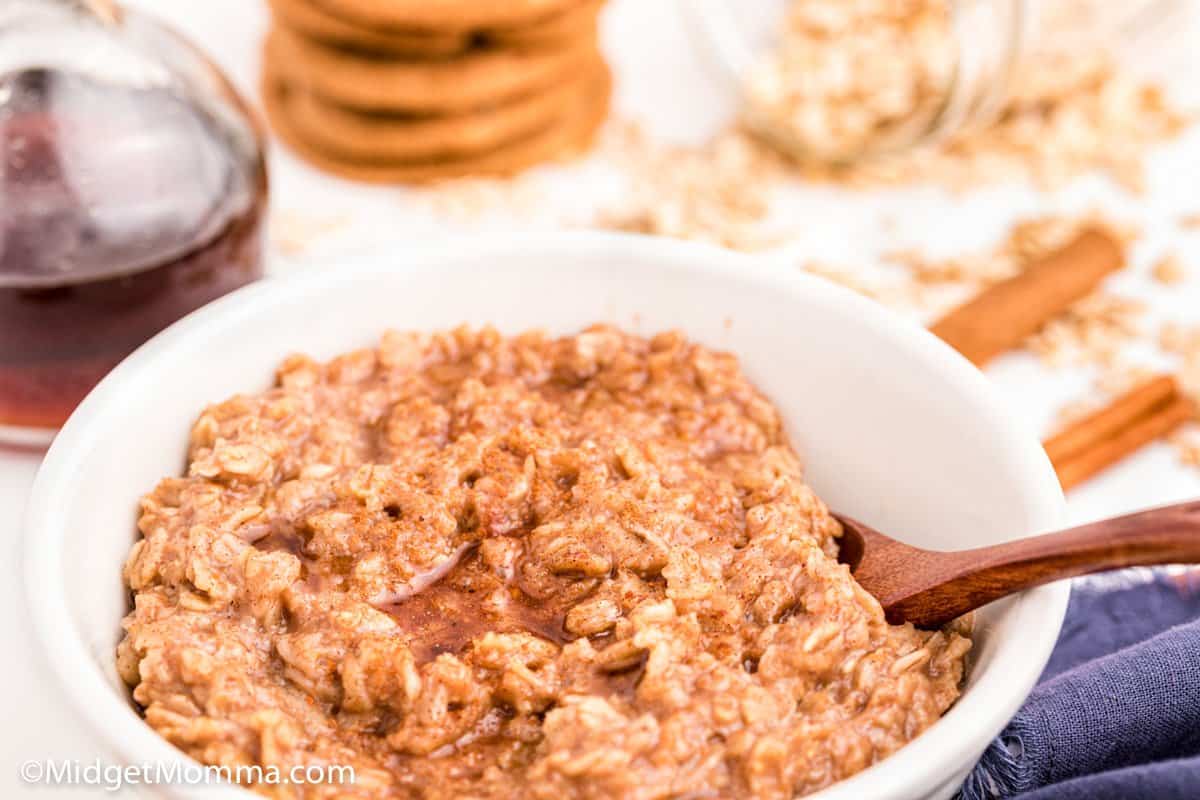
x=414, y=90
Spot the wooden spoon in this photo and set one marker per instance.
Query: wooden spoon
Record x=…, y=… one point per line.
x=929, y=588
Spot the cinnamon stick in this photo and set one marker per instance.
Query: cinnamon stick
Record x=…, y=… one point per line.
x=1002, y=316
x=1107, y=422
x=1103, y=438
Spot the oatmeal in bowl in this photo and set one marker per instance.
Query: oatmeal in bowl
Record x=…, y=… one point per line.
x=471, y=565
x=538, y=560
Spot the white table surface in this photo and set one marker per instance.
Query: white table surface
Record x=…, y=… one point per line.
x=663, y=82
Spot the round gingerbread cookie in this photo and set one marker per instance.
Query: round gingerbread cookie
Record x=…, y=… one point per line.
x=569, y=134
x=458, y=84
x=349, y=134
x=443, y=15
x=310, y=19
x=581, y=20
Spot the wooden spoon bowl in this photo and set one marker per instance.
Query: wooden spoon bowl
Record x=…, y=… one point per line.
x=930, y=588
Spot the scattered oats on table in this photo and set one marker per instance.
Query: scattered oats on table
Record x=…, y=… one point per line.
x=1186, y=442
x=968, y=271
x=1093, y=331
x=465, y=199
x=1065, y=114
x=1180, y=340
x=1169, y=270
x=892, y=294
x=718, y=193
x=1183, y=342
x=294, y=232
x=1119, y=378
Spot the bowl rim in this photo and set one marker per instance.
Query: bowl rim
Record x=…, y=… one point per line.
x=928, y=762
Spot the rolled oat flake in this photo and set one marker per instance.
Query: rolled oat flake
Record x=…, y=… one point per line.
x=838, y=80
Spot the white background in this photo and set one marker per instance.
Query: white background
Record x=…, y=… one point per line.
x=664, y=82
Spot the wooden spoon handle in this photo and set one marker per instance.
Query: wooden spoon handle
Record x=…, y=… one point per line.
x=969, y=579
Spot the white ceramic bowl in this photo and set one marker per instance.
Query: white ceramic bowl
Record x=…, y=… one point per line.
x=895, y=427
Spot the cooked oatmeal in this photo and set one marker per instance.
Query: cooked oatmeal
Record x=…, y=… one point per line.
x=488, y=567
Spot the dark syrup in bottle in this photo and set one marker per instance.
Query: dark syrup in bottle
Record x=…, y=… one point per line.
x=121, y=210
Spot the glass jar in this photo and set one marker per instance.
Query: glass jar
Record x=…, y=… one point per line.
x=132, y=191
x=840, y=80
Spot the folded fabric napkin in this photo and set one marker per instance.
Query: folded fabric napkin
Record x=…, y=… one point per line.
x=1116, y=714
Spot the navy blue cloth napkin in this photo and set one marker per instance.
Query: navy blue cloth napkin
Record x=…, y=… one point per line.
x=1116, y=714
